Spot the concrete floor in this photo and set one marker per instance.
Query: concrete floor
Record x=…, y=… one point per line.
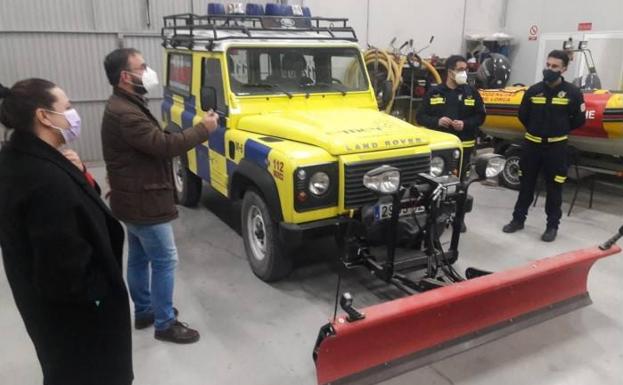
x=256, y=333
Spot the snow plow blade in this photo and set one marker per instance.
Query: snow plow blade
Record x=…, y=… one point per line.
x=407, y=333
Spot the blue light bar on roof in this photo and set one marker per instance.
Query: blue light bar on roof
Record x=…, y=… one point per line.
x=273, y=9
x=255, y=9
x=216, y=9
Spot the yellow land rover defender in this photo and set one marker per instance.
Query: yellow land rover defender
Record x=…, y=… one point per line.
x=299, y=127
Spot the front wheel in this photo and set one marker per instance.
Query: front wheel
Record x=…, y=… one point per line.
x=509, y=177
x=187, y=185
x=265, y=251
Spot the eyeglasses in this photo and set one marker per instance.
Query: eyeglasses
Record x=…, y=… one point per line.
x=143, y=67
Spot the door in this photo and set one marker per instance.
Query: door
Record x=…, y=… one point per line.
x=212, y=76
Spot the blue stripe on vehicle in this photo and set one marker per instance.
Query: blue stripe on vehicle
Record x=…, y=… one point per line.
x=203, y=162
x=189, y=112
x=231, y=167
x=217, y=140
x=256, y=152
x=167, y=104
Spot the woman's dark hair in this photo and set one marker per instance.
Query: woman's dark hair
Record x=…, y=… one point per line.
x=560, y=54
x=19, y=103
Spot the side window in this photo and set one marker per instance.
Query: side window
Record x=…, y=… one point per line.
x=238, y=65
x=180, y=70
x=213, y=77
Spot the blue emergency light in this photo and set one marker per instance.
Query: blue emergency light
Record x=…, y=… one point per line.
x=216, y=9
x=252, y=9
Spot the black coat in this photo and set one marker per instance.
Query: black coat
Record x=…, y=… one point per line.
x=62, y=253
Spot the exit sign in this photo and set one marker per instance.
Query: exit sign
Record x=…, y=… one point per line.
x=585, y=26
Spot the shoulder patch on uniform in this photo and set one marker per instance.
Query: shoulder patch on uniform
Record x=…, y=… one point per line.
x=583, y=107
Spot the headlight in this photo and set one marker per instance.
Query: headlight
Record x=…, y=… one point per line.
x=489, y=165
x=494, y=167
x=319, y=183
x=384, y=179
x=437, y=166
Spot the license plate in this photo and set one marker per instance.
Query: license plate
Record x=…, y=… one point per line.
x=384, y=210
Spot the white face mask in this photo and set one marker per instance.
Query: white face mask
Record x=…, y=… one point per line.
x=149, y=80
x=460, y=77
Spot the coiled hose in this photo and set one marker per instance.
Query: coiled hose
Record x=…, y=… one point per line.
x=381, y=61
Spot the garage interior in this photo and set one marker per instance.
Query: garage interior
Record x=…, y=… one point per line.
x=255, y=332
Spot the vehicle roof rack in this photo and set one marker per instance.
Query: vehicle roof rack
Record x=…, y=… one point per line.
x=188, y=30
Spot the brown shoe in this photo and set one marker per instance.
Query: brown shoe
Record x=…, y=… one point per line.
x=178, y=333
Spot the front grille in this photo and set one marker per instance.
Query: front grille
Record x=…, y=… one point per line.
x=357, y=195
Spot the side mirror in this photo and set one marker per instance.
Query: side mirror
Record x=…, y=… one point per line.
x=208, y=98
x=489, y=165
x=384, y=94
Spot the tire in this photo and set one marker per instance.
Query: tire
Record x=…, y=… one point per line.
x=187, y=185
x=265, y=251
x=509, y=177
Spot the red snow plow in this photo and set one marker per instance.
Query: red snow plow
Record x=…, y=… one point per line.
x=451, y=313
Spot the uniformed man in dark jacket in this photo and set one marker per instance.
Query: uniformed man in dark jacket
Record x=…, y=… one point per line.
x=549, y=110
x=454, y=107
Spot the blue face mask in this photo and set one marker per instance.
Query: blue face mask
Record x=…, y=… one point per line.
x=73, y=132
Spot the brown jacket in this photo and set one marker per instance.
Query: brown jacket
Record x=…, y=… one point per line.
x=138, y=159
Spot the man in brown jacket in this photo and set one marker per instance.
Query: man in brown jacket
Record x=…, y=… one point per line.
x=138, y=161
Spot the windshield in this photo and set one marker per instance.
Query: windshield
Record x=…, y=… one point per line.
x=290, y=70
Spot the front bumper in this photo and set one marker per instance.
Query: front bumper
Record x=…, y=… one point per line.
x=293, y=234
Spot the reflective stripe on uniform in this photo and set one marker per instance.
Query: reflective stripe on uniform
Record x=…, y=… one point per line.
x=560, y=101
x=557, y=139
x=538, y=139
x=538, y=99
x=470, y=102
x=533, y=138
x=434, y=101
x=560, y=179
x=469, y=143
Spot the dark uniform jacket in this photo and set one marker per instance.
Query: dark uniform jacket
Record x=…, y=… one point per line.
x=463, y=103
x=552, y=112
x=62, y=252
x=138, y=159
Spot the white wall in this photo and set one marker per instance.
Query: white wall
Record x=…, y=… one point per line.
x=378, y=21
x=554, y=16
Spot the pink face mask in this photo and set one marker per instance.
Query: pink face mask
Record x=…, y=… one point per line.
x=73, y=132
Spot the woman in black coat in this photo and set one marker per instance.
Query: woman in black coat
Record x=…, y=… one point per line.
x=61, y=247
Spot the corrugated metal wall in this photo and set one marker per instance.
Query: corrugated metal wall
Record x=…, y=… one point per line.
x=66, y=41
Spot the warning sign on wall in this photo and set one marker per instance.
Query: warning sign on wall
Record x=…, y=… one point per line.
x=533, y=32
x=585, y=26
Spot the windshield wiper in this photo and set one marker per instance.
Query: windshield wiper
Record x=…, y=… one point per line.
x=336, y=86
x=268, y=86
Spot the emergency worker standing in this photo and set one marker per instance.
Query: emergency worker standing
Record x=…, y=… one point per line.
x=549, y=110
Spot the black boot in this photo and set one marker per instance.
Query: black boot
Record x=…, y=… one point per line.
x=549, y=235
x=512, y=226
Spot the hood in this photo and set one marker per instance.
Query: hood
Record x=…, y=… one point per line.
x=338, y=131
